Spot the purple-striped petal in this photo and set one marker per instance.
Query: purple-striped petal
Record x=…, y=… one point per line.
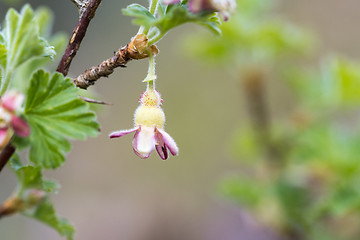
x=160, y=146
x=169, y=142
x=121, y=133
x=12, y=101
x=144, y=141
x=20, y=126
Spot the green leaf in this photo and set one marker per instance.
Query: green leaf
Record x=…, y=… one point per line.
x=45, y=213
x=55, y=114
x=179, y=14
x=30, y=177
x=3, y=53
x=141, y=14
x=171, y=16
x=22, y=39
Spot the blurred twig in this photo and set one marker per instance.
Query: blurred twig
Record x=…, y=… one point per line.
x=6, y=154
x=255, y=93
x=253, y=84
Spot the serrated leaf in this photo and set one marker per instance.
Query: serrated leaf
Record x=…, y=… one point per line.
x=141, y=14
x=45, y=213
x=22, y=39
x=55, y=114
x=30, y=177
x=44, y=18
x=171, y=16
x=178, y=14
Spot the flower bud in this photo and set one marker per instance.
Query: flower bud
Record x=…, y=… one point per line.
x=149, y=112
x=138, y=46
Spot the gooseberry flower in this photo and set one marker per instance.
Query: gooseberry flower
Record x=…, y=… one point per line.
x=149, y=120
x=10, y=122
x=224, y=7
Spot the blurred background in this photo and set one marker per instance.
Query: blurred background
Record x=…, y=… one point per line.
x=109, y=193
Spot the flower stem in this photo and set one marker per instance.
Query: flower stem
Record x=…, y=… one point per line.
x=151, y=76
x=156, y=38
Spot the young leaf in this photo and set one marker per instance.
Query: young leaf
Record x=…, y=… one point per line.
x=171, y=16
x=141, y=14
x=55, y=114
x=30, y=177
x=21, y=37
x=45, y=213
x=3, y=52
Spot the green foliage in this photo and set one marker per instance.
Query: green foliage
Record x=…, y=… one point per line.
x=251, y=36
x=243, y=190
x=311, y=189
x=140, y=13
x=31, y=178
x=169, y=17
x=45, y=213
x=55, y=113
x=21, y=41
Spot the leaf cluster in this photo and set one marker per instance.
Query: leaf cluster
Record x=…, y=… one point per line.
x=52, y=108
x=168, y=17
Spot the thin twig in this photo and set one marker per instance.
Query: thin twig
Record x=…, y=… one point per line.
x=89, y=100
x=77, y=36
x=6, y=154
x=136, y=49
x=255, y=94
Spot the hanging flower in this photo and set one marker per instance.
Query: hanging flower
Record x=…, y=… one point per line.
x=224, y=7
x=10, y=122
x=149, y=128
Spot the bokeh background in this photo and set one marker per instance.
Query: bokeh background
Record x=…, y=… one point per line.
x=109, y=193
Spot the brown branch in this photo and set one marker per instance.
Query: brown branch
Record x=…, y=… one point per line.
x=136, y=49
x=6, y=154
x=78, y=35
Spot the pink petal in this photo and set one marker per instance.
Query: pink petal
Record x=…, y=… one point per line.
x=12, y=100
x=20, y=126
x=169, y=142
x=144, y=141
x=121, y=133
x=160, y=146
x=135, y=144
x=168, y=2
